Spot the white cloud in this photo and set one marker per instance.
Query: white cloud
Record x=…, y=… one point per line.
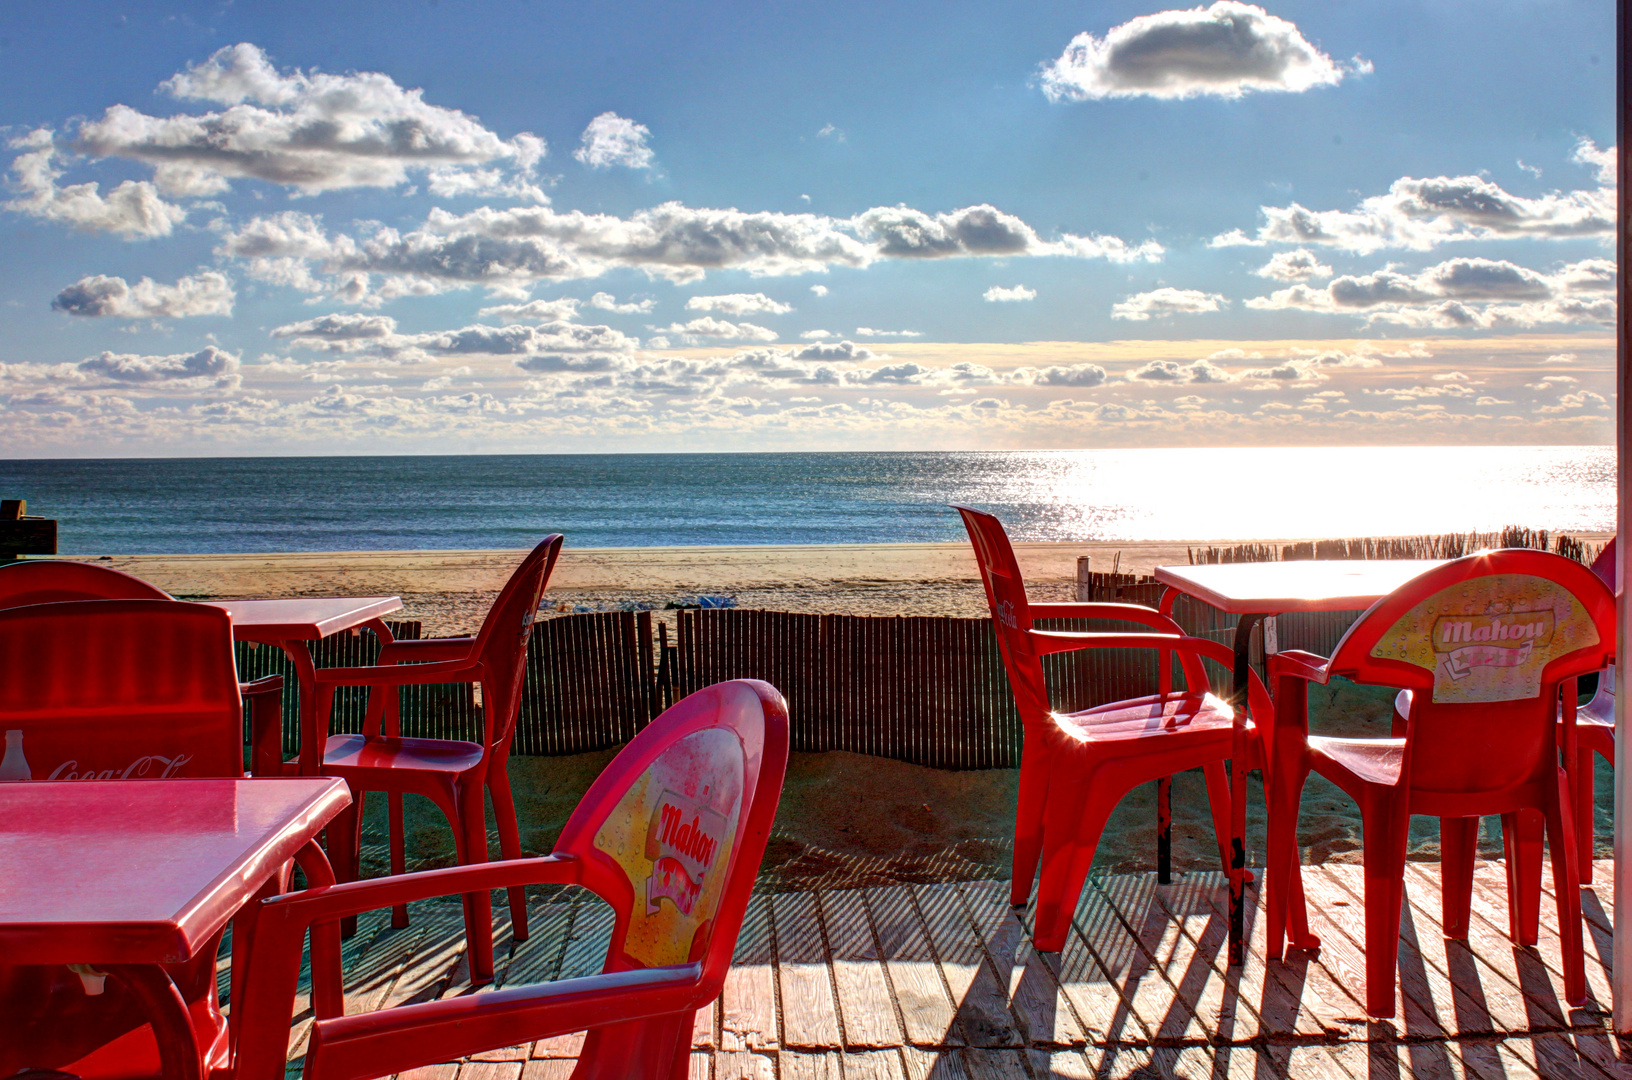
x=1473, y=292
x=1421, y=214
x=817, y=335
x=1299, y=265
x=839, y=350
x=611, y=140
x=134, y=209
x=999, y=294
x=698, y=330
x=307, y=130
x=207, y=293
x=376, y=336
x=1078, y=375
x=1226, y=50
x=605, y=301
x=511, y=249
x=738, y=304
x=1166, y=301
x=828, y=131
x=867, y=331
x=1602, y=162
x=564, y=309
x=1171, y=371
x=819, y=290
x=1561, y=358
x=208, y=367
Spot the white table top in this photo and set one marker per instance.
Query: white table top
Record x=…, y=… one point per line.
x=1299, y=585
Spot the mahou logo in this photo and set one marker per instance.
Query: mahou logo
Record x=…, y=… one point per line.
x=683, y=841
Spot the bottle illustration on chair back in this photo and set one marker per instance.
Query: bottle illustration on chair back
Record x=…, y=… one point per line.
x=14, y=766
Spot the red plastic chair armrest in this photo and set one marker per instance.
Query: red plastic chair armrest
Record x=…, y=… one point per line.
x=1057, y=641
x=1126, y=612
x=1299, y=664
x=441, y=671
x=424, y=650
x=353, y=897
x=265, y=698
x=271, y=684
x=400, y=1039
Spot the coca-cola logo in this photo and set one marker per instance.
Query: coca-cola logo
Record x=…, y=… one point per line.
x=151, y=767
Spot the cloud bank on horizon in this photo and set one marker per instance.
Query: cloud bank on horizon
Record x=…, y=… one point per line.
x=270, y=257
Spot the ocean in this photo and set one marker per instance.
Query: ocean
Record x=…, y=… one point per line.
x=201, y=505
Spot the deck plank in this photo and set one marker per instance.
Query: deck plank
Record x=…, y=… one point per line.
x=866, y=1007
x=1541, y=965
x=748, y=1002
x=1339, y=921
x=924, y=1001
x=810, y=1015
x=982, y=1001
x=1128, y=955
x=1044, y=1012
x=1490, y=956
x=1099, y=1000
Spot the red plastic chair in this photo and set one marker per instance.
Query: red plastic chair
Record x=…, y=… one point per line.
x=1075, y=767
x=1485, y=643
x=1595, y=734
x=113, y=689
x=451, y=773
x=48, y=581
x=671, y=836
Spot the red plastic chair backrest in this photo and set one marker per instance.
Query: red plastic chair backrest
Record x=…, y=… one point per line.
x=1483, y=642
x=1011, y=611
x=119, y=689
x=501, y=644
x=672, y=832
x=1607, y=566
x=50, y=582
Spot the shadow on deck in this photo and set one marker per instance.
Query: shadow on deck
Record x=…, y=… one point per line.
x=939, y=981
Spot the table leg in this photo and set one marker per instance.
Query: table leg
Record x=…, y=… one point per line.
x=1164, y=831
x=311, y=757
x=151, y=986
x=1238, y=788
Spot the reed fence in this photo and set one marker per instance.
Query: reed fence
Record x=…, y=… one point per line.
x=927, y=690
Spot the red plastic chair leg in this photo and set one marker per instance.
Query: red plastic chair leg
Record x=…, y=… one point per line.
x=1385, y=822
x=1068, y=853
x=397, y=838
x=1458, y=848
x=344, y=837
x=1282, y=873
x=659, y=1046
x=1567, y=887
x=1521, y=841
x=504, y=815
x=1585, y=809
x=1028, y=818
x=472, y=807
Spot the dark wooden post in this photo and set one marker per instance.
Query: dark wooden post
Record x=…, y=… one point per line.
x=24, y=535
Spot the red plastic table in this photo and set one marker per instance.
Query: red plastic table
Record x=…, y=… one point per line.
x=125, y=875
x=1256, y=591
x=290, y=624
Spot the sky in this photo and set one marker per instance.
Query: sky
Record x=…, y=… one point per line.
x=519, y=226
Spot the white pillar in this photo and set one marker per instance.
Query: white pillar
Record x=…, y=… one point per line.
x=1622, y=976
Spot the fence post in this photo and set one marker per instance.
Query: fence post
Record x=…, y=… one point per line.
x=1084, y=583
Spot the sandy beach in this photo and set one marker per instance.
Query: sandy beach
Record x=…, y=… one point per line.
x=450, y=590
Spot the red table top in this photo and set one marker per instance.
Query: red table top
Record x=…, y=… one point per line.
x=1298, y=585
x=143, y=871
x=303, y=618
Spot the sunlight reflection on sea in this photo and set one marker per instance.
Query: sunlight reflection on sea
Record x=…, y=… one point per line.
x=185, y=505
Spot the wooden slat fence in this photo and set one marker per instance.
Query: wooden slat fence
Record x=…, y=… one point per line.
x=927, y=690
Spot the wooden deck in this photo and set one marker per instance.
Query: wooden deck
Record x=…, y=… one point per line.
x=940, y=981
